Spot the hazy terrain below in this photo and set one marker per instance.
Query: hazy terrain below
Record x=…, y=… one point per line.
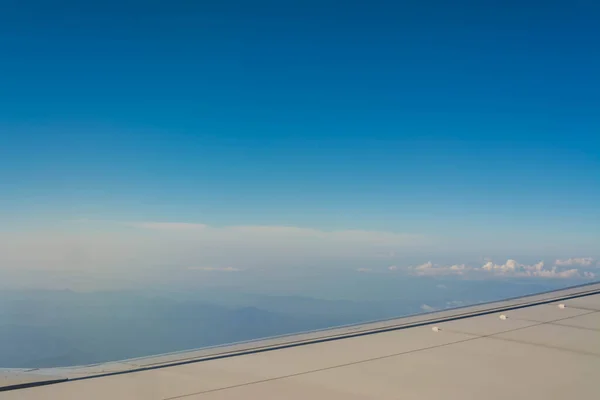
x=45, y=328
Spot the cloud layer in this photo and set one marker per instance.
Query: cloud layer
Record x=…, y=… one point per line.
x=581, y=261
x=124, y=249
x=429, y=269
x=89, y=245
x=511, y=268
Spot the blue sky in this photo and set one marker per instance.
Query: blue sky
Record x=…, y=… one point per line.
x=472, y=123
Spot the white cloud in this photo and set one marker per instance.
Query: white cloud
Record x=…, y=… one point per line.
x=430, y=269
x=441, y=286
x=537, y=270
x=424, y=267
x=553, y=273
x=581, y=261
x=393, y=268
x=511, y=268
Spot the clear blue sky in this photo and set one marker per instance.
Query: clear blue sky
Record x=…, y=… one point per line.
x=416, y=116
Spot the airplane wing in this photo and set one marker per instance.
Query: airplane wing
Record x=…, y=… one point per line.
x=544, y=346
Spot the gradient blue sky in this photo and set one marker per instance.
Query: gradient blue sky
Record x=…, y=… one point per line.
x=471, y=119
